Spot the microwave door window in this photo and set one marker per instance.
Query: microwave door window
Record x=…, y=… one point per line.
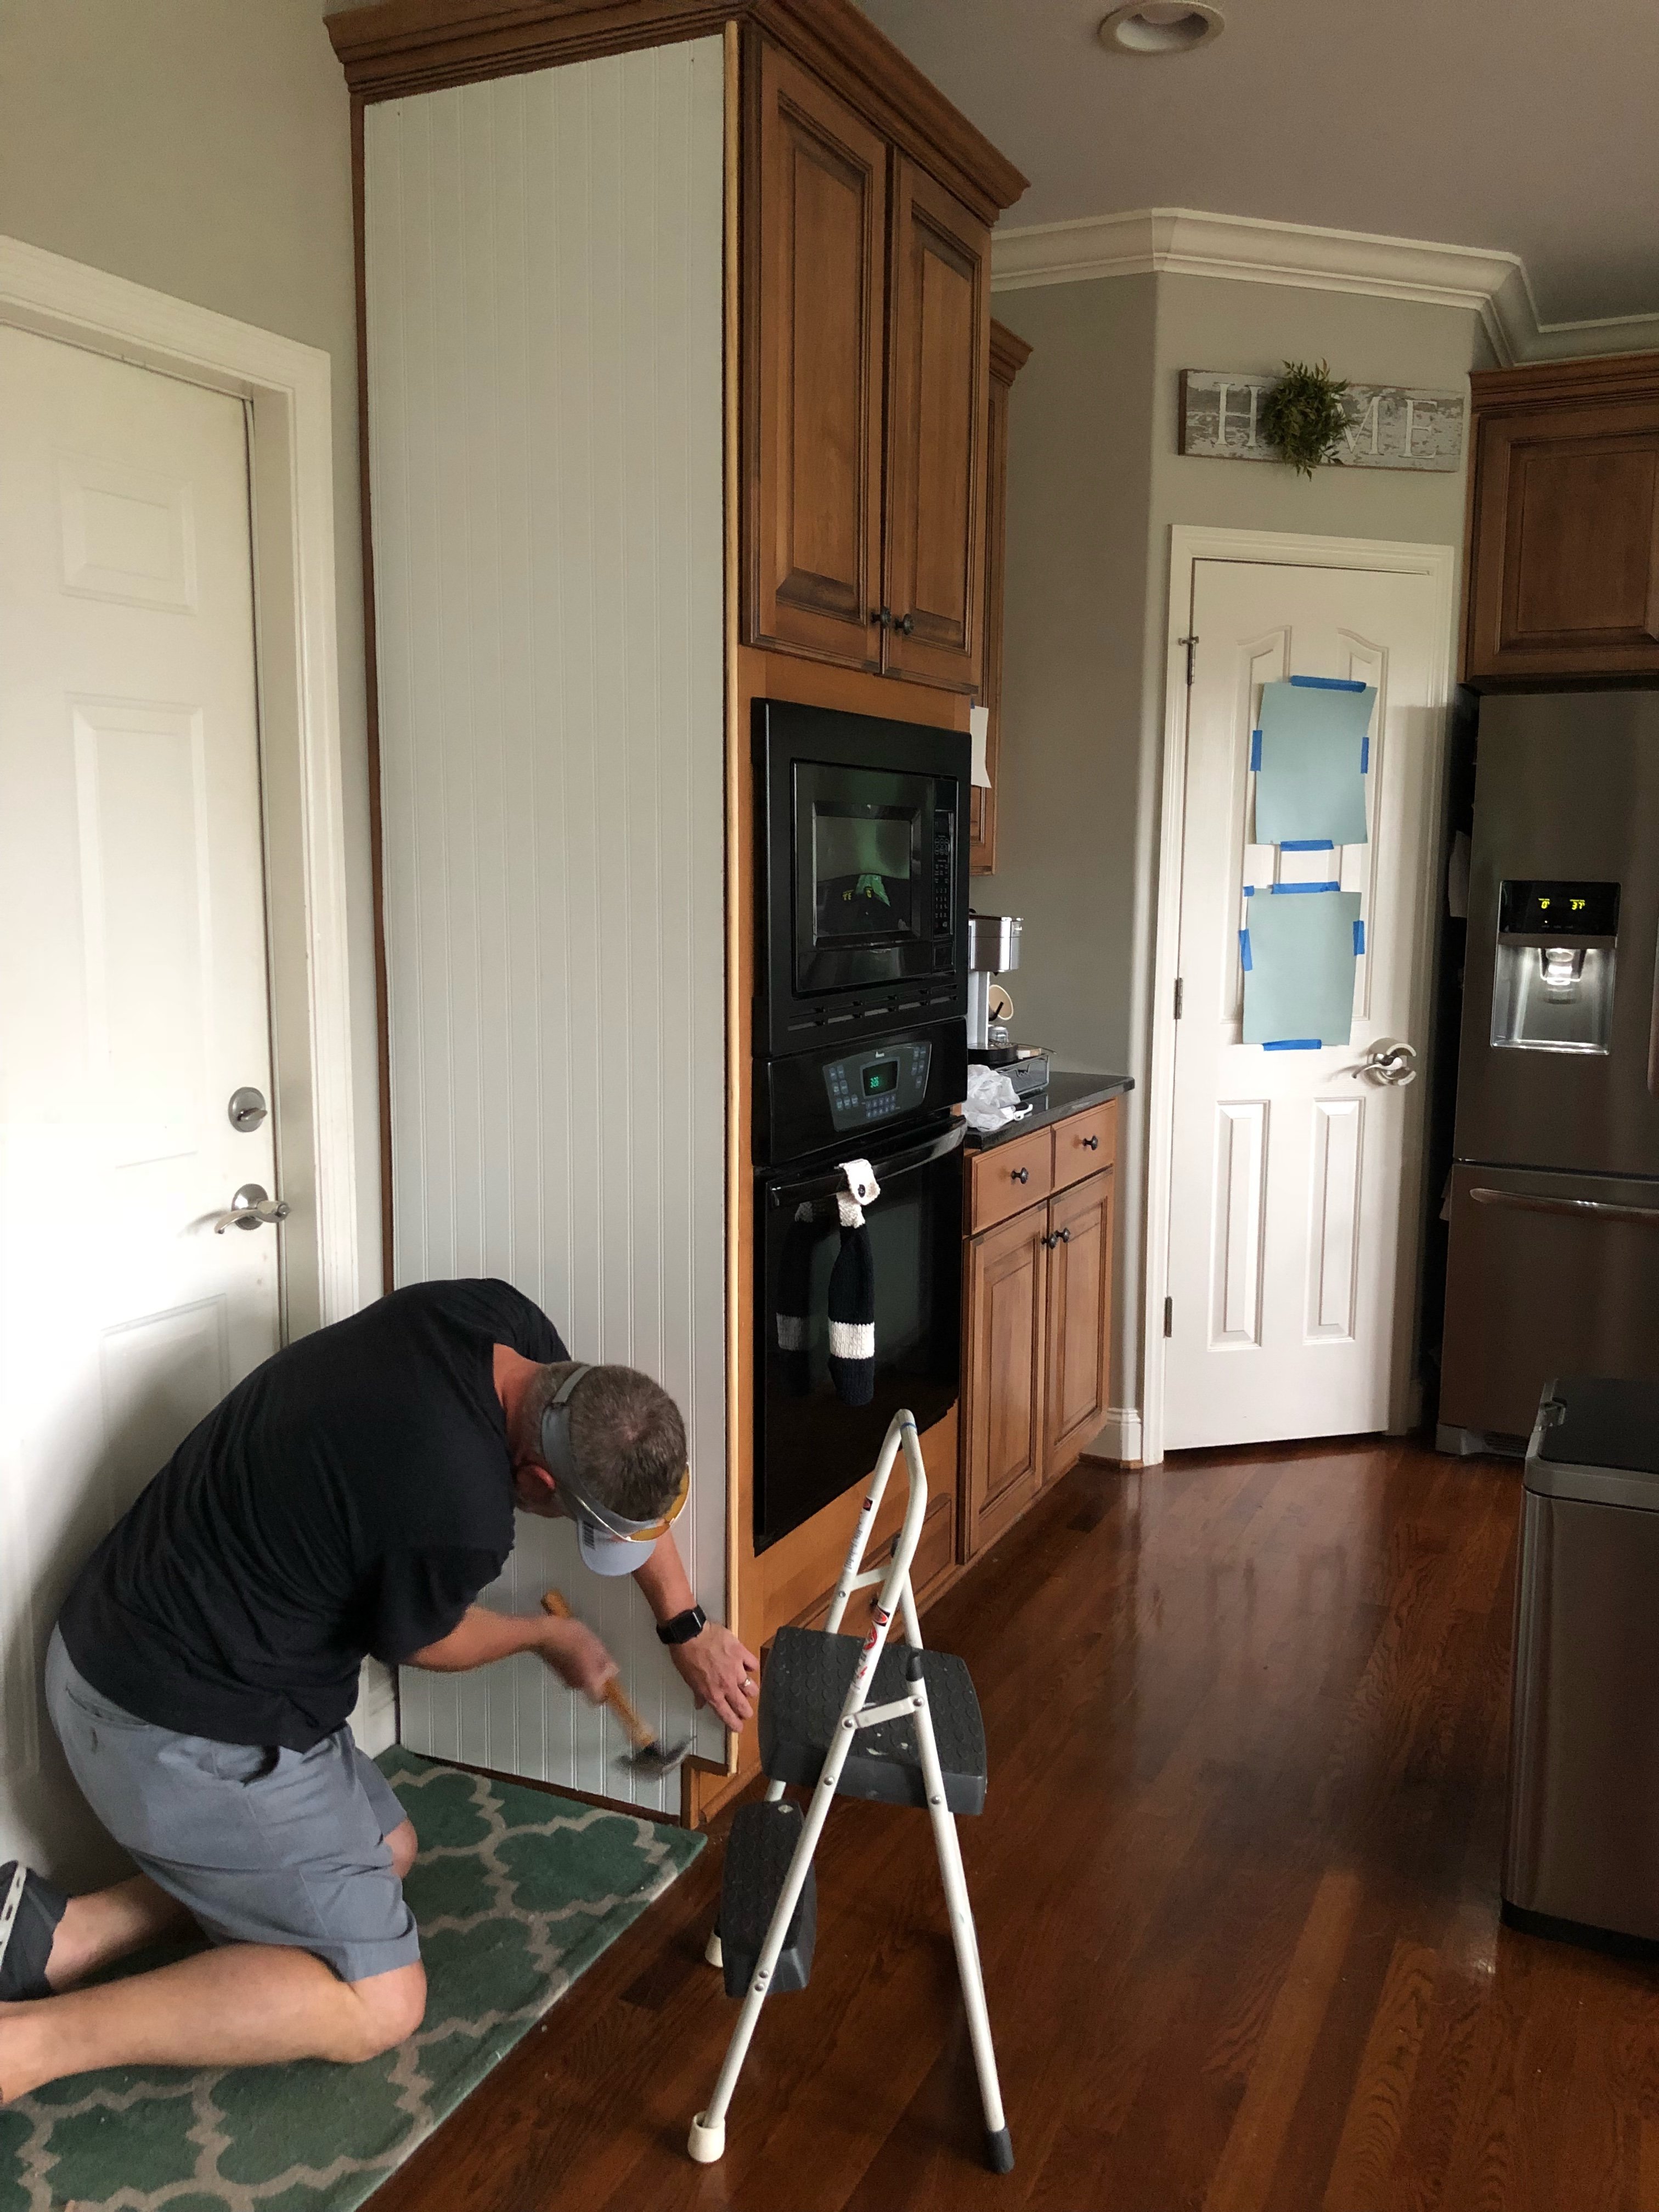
x=865, y=869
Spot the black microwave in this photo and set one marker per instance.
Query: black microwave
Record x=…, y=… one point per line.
x=863, y=906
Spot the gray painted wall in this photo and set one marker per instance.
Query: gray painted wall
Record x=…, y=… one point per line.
x=203, y=147
x=1096, y=486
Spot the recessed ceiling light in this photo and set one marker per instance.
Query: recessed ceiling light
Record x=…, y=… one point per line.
x=1162, y=27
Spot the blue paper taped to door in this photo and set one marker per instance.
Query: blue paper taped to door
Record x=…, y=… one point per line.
x=1311, y=763
x=1299, y=967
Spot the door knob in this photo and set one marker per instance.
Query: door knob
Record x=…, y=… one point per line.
x=1390, y=1062
x=253, y=1207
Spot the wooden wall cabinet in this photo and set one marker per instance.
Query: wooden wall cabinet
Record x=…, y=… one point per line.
x=1009, y=354
x=1037, y=1298
x=867, y=342
x=1563, y=570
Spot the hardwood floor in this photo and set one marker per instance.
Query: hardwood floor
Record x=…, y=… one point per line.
x=1236, y=1885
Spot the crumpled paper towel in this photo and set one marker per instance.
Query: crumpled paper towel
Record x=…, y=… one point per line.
x=992, y=1099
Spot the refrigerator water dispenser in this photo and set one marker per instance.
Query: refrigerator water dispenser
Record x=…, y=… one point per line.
x=1553, y=974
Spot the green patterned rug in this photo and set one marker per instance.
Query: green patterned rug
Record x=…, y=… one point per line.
x=515, y=1892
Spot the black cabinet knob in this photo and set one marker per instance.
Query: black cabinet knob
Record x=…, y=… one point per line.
x=907, y=624
x=1063, y=1236
x=1020, y=1174
x=1091, y=1144
x=884, y=616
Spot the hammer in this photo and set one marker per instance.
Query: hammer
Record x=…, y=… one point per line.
x=649, y=1755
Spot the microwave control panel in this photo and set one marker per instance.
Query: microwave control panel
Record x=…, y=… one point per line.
x=944, y=868
x=868, y=1088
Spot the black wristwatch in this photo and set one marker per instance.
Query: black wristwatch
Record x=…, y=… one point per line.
x=683, y=1627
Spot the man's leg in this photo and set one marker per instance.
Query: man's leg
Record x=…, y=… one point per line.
x=246, y=2004
x=107, y=1924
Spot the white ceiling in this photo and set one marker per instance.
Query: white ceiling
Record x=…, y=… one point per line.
x=1528, y=125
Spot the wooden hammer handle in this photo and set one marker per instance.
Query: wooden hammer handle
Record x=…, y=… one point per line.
x=642, y=1738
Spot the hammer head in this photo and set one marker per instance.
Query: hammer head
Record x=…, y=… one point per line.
x=656, y=1758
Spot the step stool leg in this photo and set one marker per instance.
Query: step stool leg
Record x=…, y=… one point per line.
x=999, y=2145
x=707, y=2140
x=712, y=1952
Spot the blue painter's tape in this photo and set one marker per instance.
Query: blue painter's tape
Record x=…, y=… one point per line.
x=1327, y=684
x=1359, y=938
x=1255, y=748
x=1307, y=887
x=1306, y=845
x=1294, y=1044
x=1365, y=753
x=1244, y=947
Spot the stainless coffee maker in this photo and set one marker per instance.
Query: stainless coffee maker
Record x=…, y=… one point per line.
x=993, y=950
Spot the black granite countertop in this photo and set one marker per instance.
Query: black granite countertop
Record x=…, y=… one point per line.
x=1067, y=1093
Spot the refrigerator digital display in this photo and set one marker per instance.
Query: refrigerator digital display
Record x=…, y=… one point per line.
x=1535, y=907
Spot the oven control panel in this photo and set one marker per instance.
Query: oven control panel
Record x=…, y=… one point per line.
x=878, y=1085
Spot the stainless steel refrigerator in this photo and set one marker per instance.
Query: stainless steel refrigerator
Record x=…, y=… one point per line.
x=1554, y=1259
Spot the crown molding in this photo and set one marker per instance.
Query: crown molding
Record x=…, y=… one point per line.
x=1185, y=242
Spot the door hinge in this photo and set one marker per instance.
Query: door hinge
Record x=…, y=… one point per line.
x=1191, y=644
x=1169, y=1317
x=1178, y=1005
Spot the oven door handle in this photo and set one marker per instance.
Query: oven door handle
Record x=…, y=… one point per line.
x=886, y=1170
x=1575, y=1209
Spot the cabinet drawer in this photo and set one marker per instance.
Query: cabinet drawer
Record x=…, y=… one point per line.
x=1083, y=1144
x=1008, y=1178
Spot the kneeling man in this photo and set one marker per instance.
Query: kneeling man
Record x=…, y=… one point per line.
x=351, y=1497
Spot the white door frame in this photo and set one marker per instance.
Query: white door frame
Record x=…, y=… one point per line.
x=286, y=389
x=1189, y=545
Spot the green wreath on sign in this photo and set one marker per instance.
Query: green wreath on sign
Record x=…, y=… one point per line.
x=1302, y=418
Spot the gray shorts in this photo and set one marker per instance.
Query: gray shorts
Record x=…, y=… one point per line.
x=263, y=1846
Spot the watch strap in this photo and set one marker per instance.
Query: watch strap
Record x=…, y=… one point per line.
x=683, y=1627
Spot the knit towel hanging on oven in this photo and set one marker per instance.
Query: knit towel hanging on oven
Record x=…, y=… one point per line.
x=853, y=1290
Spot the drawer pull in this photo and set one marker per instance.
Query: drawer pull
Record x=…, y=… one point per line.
x=1091, y=1144
x=1020, y=1175
x=1060, y=1236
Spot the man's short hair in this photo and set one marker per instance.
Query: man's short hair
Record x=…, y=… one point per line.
x=628, y=1438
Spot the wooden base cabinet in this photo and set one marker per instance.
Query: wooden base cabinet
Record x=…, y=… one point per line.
x=1036, y=1351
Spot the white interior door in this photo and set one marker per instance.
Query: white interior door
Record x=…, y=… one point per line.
x=1290, y=1288
x=133, y=988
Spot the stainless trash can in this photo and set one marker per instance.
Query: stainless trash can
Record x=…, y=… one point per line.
x=1581, y=1853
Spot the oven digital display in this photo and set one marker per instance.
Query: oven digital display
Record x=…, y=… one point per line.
x=881, y=1075
x=1532, y=906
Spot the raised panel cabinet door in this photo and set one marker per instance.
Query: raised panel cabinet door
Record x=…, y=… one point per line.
x=1002, y=1408
x=1565, y=563
x=812, y=479
x=1078, y=1321
x=938, y=403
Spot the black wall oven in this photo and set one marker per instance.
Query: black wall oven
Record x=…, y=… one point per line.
x=863, y=872
x=861, y=1053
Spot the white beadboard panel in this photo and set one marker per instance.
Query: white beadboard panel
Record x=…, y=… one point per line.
x=544, y=354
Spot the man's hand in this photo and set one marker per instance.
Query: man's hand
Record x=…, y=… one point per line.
x=721, y=1673
x=572, y=1650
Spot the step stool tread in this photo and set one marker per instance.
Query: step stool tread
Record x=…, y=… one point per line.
x=758, y=1850
x=804, y=1688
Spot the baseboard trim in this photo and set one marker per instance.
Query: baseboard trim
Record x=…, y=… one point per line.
x=1119, y=1442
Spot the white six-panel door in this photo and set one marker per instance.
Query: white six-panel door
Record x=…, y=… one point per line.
x=133, y=989
x=1291, y=1172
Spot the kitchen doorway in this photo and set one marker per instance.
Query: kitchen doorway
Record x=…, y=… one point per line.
x=143, y=1055
x=1284, y=1200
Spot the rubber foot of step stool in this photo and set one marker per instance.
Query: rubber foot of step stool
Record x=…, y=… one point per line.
x=999, y=2150
x=706, y=2144
x=712, y=1952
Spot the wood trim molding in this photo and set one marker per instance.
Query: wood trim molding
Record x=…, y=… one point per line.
x=1187, y=242
x=399, y=46
x=287, y=388
x=1009, y=352
x=1612, y=376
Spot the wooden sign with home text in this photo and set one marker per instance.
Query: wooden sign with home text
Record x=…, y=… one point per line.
x=1389, y=426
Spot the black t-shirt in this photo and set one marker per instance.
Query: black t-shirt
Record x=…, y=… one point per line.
x=353, y=1495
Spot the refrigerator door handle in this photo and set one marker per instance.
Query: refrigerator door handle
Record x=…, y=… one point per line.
x=1600, y=1209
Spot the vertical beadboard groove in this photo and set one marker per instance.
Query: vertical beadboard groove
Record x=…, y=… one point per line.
x=545, y=331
